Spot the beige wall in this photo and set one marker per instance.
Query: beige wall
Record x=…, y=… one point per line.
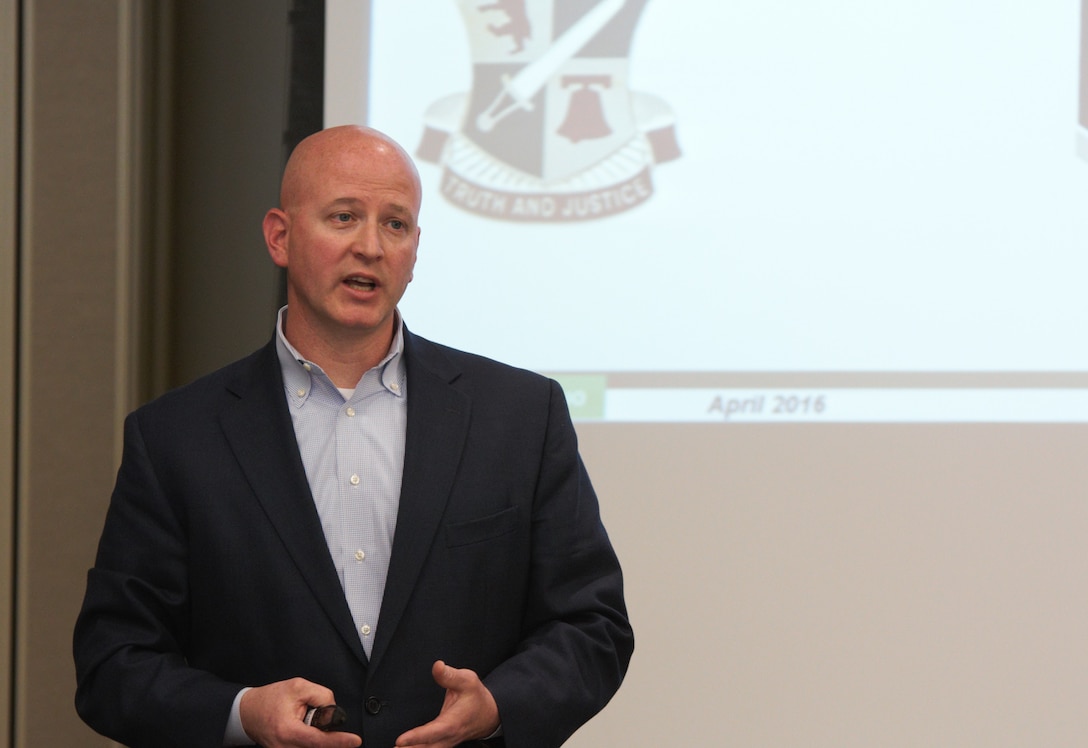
x=99, y=311
x=8, y=203
x=76, y=257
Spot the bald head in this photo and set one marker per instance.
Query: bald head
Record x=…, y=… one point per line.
x=341, y=148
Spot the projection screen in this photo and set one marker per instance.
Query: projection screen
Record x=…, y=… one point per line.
x=811, y=275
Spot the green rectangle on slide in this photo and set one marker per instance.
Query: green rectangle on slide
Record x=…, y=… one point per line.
x=585, y=394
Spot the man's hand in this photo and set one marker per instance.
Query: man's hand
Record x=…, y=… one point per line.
x=272, y=716
x=469, y=712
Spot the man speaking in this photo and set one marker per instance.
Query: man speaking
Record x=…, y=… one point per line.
x=351, y=516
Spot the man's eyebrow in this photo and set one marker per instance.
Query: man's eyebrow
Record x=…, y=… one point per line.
x=354, y=201
x=343, y=201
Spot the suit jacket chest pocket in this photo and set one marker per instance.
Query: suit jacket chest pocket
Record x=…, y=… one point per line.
x=481, y=530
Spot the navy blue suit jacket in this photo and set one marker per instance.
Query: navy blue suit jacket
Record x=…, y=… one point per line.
x=213, y=572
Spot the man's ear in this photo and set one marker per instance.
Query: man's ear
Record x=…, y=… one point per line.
x=415, y=256
x=275, y=226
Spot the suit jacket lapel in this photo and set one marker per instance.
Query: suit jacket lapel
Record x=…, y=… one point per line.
x=438, y=418
x=260, y=432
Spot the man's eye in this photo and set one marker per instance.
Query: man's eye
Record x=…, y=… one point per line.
x=397, y=225
x=342, y=217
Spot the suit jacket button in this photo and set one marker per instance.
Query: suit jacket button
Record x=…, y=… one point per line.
x=373, y=705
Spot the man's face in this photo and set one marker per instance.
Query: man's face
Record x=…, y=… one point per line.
x=348, y=240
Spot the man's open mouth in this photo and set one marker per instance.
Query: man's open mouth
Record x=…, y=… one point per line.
x=362, y=284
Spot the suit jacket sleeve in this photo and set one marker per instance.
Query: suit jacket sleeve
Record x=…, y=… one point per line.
x=212, y=571
x=134, y=682
x=576, y=641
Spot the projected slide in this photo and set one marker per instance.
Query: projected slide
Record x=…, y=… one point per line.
x=743, y=211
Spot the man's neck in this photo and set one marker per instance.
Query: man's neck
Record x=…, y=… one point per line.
x=344, y=359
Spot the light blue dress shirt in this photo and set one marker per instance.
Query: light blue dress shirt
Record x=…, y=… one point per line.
x=352, y=447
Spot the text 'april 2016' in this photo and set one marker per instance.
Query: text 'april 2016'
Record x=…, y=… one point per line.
x=785, y=404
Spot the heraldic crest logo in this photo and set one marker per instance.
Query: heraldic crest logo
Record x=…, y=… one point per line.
x=550, y=130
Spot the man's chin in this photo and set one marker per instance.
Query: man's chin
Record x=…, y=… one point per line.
x=366, y=326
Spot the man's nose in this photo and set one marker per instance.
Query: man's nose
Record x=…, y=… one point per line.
x=367, y=242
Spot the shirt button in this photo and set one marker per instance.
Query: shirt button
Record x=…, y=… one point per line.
x=307, y=366
x=350, y=412
x=359, y=555
x=395, y=387
x=365, y=629
x=300, y=392
x=355, y=480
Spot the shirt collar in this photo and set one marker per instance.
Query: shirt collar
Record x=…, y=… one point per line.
x=299, y=373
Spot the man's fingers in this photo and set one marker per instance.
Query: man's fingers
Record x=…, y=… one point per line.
x=468, y=711
x=430, y=734
x=444, y=675
x=272, y=715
